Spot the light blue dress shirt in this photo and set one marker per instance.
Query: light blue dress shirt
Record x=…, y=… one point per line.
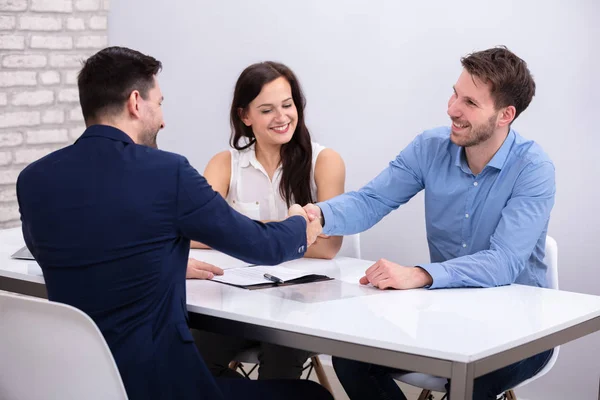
x=483, y=230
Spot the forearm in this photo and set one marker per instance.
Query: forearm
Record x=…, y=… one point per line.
x=352, y=212
x=325, y=248
x=488, y=268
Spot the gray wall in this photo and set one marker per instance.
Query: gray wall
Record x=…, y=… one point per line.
x=376, y=74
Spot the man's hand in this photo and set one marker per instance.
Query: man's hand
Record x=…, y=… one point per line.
x=313, y=227
x=201, y=270
x=313, y=212
x=386, y=274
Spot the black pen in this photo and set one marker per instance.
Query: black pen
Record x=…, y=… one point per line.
x=273, y=278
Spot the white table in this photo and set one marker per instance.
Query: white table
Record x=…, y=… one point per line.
x=460, y=334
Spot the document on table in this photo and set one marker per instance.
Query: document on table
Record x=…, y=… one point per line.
x=253, y=277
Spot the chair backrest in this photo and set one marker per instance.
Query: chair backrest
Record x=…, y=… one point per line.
x=350, y=246
x=551, y=260
x=52, y=350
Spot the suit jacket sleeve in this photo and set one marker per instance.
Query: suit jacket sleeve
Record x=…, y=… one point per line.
x=203, y=215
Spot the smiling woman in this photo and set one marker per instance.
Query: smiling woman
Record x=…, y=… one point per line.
x=272, y=164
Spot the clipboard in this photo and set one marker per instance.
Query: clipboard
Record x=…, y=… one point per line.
x=258, y=277
x=298, y=281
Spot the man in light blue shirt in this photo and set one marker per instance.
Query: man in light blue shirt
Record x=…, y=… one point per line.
x=488, y=197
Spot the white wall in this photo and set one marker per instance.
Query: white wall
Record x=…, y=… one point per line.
x=375, y=75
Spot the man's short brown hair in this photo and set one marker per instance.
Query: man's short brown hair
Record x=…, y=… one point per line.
x=510, y=79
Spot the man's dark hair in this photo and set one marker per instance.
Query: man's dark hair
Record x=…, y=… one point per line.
x=108, y=78
x=510, y=79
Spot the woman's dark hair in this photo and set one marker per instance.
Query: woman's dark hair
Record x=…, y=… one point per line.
x=108, y=78
x=296, y=155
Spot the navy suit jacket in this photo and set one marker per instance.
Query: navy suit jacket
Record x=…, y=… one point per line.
x=110, y=223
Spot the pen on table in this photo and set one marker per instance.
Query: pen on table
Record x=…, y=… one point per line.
x=273, y=278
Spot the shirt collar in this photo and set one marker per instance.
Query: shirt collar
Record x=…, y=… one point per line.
x=248, y=157
x=496, y=162
x=502, y=154
x=106, y=131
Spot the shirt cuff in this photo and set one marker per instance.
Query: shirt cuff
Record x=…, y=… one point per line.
x=329, y=227
x=441, y=278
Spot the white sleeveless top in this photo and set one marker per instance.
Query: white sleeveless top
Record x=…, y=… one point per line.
x=253, y=194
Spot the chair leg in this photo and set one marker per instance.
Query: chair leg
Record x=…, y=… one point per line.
x=425, y=394
x=321, y=373
x=510, y=395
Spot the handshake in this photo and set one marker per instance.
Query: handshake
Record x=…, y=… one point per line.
x=313, y=216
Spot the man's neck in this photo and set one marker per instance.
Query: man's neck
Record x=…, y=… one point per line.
x=119, y=124
x=480, y=155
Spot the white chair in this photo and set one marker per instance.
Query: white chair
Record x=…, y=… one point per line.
x=52, y=350
x=350, y=248
x=430, y=383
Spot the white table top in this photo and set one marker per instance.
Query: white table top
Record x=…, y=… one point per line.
x=462, y=325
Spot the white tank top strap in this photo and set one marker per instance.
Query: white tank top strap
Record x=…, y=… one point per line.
x=316, y=149
x=235, y=173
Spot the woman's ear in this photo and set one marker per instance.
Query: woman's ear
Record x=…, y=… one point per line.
x=243, y=114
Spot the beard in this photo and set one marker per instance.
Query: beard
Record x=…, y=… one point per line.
x=148, y=137
x=478, y=134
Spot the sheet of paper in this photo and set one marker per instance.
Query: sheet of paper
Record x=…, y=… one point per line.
x=255, y=275
x=221, y=260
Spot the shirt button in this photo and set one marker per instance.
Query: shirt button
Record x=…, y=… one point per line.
x=466, y=215
x=475, y=183
x=464, y=245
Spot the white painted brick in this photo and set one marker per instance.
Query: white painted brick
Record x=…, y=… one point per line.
x=24, y=61
x=76, y=114
x=17, y=78
x=9, y=213
x=34, y=98
x=71, y=77
x=13, y=5
x=47, y=136
x=10, y=224
x=91, y=42
x=67, y=60
x=75, y=133
x=75, y=24
x=68, y=96
x=98, y=23
x=26, y=156
x=9, y=176
x=7, y=22
x=51, y=42
x=87, y=5
x=53, y=117
x=5, y=157
x=49, y=77
x=9, y=194
x=35, y=23
x=65, y=6
x=19, y=118
x=106, y=5
x=3, y=99
x=11, y=139
x=12, y=42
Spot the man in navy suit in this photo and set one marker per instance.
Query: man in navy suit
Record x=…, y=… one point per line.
x=109, y=219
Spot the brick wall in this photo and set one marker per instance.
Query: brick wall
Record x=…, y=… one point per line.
x=42, y=44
